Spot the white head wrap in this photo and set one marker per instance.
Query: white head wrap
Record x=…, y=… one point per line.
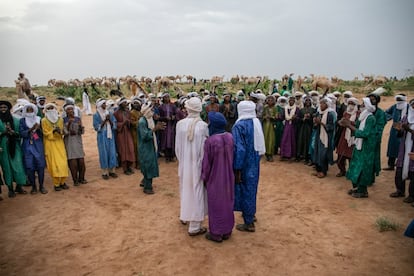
x=30, y=118
x=247, y=110
x=368, y=110
x=103, y=113
x=52, y=115
x=194, y=108
x=146, y=110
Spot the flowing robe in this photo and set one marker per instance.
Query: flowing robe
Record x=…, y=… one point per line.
x=343, y=148
x=361, y=167
x=55, y=152
x=106, y=146
x=190, y=156
x=288, y=143
x=13, y=169
x=381, y=120
x=135, y=116
x=305, y=131
x=167, y=115
x=217, y=173
x=146, y=150
x=270, y=115
x=124, y=140
x=247, y=160
x=324, y=156
x=73, y=142
x=32, y=146
x=395, y=115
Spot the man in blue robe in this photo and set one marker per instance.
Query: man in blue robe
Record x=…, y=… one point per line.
x=248, y=146
x=395, y=113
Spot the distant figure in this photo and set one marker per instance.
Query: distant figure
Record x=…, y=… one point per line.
x=86, y=103
x=25, y=84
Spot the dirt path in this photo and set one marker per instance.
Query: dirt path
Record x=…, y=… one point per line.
x=306, y=226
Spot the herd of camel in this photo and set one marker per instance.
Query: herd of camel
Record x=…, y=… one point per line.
x=162, y=83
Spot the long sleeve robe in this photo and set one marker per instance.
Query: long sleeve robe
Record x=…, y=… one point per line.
x=190, y=155
x=247, y=160
x=13, y=169
x=55, y=152
x=217, y=173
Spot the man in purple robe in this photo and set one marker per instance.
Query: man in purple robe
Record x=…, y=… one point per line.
x=217, y=174
x=168, y=112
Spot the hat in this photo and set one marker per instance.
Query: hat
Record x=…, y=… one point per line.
x=7, y=103
x=353, y=100
x=337, y=93
x=193, y=105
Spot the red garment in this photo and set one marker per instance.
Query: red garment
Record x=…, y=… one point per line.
x=343, y=148
x=124, y=141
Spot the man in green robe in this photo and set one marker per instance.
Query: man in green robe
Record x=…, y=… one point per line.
x=11, y=159
x=361, y=167
x=381, y=121
x=147, y=146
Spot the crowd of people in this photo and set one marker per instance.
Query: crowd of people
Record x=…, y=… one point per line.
x=217, y=142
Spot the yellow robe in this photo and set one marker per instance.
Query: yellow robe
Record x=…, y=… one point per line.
x=55, y=152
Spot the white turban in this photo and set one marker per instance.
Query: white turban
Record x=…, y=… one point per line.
x=193, y=105
x=30, y=118
x=247, y=110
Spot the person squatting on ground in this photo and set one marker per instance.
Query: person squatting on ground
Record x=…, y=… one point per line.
x=249, y=145
x=191, y=134
x=218, y=176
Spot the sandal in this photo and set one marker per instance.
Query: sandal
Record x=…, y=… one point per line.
x=200, y=231
x=320, y=175
x=397, y=194
x=340, y=174
x=105, y=176
x=246, y=227
x=409, y=199
x=183, y=222
x=210, y=238
x=114, y=175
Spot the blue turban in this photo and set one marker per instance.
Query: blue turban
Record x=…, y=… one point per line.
x=217, y=123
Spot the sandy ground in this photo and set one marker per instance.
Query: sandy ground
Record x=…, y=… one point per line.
x=306, y=226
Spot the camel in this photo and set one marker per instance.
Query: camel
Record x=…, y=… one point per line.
x=324, y=83
x=189, y=78
x=19, y=90
x=367, y=78
x=380, y=80
x=235, y=79
x=164, y=82
x=252, y=80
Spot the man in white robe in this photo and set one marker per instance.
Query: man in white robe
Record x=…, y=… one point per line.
x=191, y=134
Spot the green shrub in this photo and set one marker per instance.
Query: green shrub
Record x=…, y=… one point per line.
x=385, y=224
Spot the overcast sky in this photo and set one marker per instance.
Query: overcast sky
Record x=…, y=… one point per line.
x=66, y=39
